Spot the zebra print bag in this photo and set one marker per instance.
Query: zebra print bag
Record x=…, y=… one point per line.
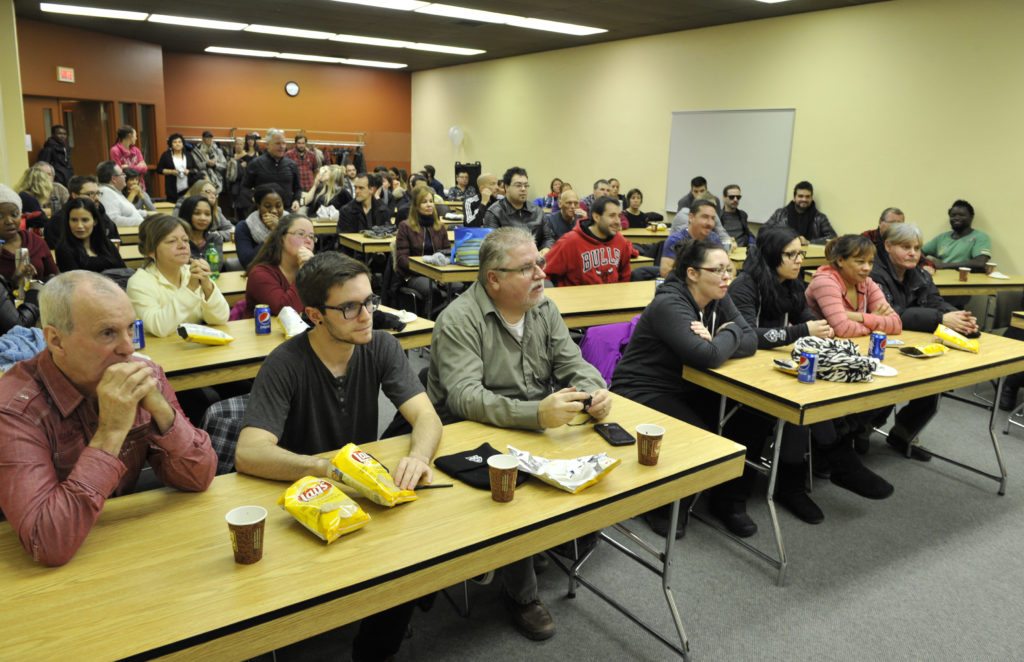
x=839, y=360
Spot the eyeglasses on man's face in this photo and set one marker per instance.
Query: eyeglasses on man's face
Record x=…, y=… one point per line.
x=352, y=309
x=734, y=196
x=526, y=269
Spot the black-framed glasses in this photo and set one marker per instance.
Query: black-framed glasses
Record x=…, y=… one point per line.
x=526, y=269
x=734, y=197
x=352, y=309
x=722, y=271
x=793, y=255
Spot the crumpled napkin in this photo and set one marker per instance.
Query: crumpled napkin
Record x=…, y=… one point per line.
x=572, y=475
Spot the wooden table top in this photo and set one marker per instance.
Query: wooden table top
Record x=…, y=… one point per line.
x=454, y=273
x=589, y=305
x=1017, y=319
x=156, y=574
x=645, y=236
x=232, y=285
x=948, y=282
x=133, y=257
x=815, y=256
x=753, y=380
x=191, y=365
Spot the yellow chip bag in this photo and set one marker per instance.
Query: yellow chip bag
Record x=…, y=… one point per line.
x=323, y=508
x=204, y=334
x=359, y=470
x=948, y=336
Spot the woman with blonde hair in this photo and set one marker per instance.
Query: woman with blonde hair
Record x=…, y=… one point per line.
x=34, y=189
x=329, y=186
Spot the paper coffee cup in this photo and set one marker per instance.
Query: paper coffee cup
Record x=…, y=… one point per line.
x=990, y=267
x=648, y=443
x=503, y=471
x=246, y=524
x=964, y=272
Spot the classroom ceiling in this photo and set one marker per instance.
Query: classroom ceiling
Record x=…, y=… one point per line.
x=622, y=19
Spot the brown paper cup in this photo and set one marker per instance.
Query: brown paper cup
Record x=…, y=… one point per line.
x=964, y=273
x=502, y=470
x=245, y=524
x=990, y=267
x=648, y=443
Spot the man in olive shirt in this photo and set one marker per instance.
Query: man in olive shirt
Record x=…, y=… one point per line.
x=502, y=355
x=962, y=246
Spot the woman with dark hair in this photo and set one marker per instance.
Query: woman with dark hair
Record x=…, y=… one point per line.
x=83, y=244
x=770, y=297
x=177, y=166
x=270, y=279
x=257, y=226
x=420, y=234
x=692, y=322
x=126, y=153
x=197, y=212
x=549, y=201
x=172, y=288
x=636, y=218
x=221, y=227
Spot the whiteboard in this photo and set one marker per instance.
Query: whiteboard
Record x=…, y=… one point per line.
x=750, y=148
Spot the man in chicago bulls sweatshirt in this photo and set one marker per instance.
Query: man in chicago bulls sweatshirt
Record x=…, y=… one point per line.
x=594, y=252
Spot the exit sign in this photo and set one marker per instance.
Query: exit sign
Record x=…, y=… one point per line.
x=66, y=74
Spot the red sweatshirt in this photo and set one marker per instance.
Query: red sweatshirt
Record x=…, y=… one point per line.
x=580, y=258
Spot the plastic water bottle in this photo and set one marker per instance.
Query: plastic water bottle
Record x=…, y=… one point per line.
x=213, y=259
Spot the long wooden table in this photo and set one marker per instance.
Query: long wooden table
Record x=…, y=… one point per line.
x=590, y=305
x=753, y=382
x=1017, y=319
x=645, y=236
x=191, y=365
x=232, y=285
x=455, y=273
x=815, y=256
x=948, y=283
x=156, y=576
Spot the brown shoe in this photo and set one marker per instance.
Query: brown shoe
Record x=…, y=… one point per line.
x=533, y=620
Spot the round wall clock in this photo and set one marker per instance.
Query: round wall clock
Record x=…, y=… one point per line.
x=291, y=88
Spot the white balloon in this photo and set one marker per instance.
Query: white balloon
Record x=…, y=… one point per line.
x=455, y=134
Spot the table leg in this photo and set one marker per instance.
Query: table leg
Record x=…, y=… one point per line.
x=991, y=407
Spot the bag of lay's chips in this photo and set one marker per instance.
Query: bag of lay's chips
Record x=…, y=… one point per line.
x=358, y=469
x=323, y=508
x=204, y=334
x=948, y=336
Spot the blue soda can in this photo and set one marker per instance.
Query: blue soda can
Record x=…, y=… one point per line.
x=262, y=317
x=808, y=366
x=876, y=345
x=138, y=335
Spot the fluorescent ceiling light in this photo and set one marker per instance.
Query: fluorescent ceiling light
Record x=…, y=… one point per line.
x=437, y=48
x=288, y=32
x=309, y=58
x=451, y=11
x=374, y=63
x=189, y=22
x=93, y=11
x=372, y=41
x=772, y=2
x=240, y=51
x=401, y=5
x=555, y=26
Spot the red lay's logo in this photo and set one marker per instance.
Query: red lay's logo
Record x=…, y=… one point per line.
x=313, y=491
x=263, y=317
x=362, y=457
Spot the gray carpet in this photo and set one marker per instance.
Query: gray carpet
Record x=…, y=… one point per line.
x=934, y=572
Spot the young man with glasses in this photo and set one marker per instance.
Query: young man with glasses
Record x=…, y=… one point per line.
x=516, y=211
x=319, y=390
x=120, y=211
x=502, y=355
x=734, y=219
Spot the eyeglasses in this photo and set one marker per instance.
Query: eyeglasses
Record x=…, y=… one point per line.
x=303, y=235
x=793, y=255
x=353, y=309
x=722, y=271
x=526, y=269
x=734, y=197
x=523, y=185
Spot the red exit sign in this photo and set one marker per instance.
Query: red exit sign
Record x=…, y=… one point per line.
x=66, y=74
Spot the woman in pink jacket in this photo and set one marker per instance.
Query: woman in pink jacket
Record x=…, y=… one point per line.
x=843, y=293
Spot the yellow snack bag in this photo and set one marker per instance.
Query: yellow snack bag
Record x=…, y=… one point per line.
x=323, y=508
x=204, y=335
x=357, y=469
x=948, y=336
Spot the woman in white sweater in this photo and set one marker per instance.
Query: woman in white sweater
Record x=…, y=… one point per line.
x=172, y=288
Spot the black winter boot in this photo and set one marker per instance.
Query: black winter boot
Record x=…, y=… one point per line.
x=791, y=493
x=848, y=472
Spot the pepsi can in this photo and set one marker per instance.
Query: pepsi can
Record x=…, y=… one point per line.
x=808, y=366
x=138, y=335
x=876, y=345
x=262, y=316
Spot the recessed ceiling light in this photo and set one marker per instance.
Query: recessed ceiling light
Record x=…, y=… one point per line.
x=374, y=63
x=240, y=51
x=554, y=26
x=451, y=11
x=371, y=41
x=437, y=48
x=189, y=22
x=288, y=32
x=93, y=11
x=772, y=2
x=402, y=5
x=309, y=58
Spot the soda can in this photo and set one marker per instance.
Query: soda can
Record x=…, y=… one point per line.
x=658, y=282
x=808, y=367
x=138, y=335
x=876, y=345
x=262, y=316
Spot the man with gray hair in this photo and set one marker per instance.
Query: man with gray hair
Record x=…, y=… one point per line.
x=273, y=167
x=889, y=216
x=84, y=416
x=502, y=355
x=119, y=210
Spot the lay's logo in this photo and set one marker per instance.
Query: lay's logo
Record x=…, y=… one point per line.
x=361, y=457
x=313, y=491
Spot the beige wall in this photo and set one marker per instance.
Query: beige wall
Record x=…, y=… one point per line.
x=13, y=159
x=910, y=103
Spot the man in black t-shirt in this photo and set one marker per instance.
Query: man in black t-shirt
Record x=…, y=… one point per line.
x=319, y=390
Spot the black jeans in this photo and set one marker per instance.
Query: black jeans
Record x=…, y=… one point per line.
x=380, y=635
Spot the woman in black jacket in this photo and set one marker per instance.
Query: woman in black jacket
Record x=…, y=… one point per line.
x=11, y=313
x=770, y=297
x=692, y=322
x=178, y=167
x=83, y=242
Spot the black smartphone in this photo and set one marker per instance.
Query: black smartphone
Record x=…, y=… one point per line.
x=614, y=434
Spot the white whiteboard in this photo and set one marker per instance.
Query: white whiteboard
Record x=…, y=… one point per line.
x=746, y=147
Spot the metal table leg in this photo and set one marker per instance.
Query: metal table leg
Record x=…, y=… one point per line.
x=991, y=407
